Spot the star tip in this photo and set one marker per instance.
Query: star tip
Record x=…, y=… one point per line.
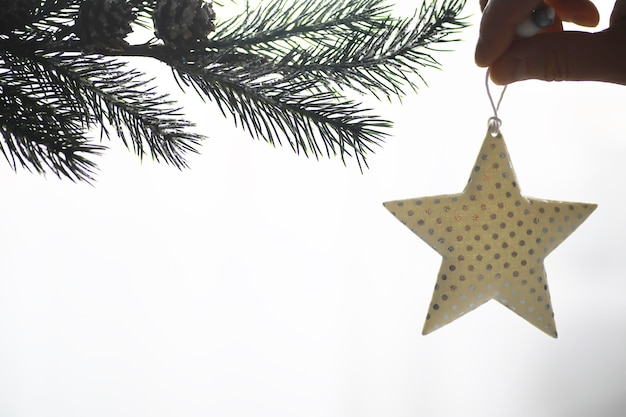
x=589, y=206
x=388, y=206
x=553, y=335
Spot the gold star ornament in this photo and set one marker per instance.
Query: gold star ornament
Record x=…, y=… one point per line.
x=493, y=241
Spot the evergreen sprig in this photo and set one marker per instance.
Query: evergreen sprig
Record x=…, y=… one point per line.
x=287, y=108
x=282, y=70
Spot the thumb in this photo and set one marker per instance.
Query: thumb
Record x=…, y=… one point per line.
x=561, y=56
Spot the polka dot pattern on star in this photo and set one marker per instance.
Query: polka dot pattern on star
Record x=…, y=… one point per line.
x=493, y=241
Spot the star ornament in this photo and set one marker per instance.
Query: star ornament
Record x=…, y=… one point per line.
x=493, y=241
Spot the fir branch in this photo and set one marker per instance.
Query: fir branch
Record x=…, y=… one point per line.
x=39, y=131
x=87, y=90
x=382, y=61
x=285, y=23
x=56, y=16
x=360, y=47
x=121, y=97
x=284, y=71
x=262, y=73
x=28, y=66
x=286, y=109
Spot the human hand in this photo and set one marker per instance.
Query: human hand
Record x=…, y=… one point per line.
x=554, y=54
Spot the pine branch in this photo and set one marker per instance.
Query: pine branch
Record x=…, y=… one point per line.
x=381, y=61
x=56, y=17
x=355, y=45
x=40, y=131
x=281, y=109
x=121, y=97
x=284, y=24
x=285, y=72
x=261, y=74
x=82, y=91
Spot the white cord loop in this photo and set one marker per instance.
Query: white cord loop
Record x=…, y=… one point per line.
x=494, y=121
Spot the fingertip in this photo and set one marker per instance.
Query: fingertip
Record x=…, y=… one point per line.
x=579, y=12
x=497, y=28
x=498, y=80
x=479, y=56
x=485, y=52
x=508, y=70
x=585, y=20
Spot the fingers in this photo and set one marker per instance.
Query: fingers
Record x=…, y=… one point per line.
x=552, y=56
x=500, y=18
x=580, y=12
x=565, y=56
x=497, y=27
x=619, y=13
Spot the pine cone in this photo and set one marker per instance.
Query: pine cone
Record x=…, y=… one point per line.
x=104, y=22
x=15, y=14
x=183, y=24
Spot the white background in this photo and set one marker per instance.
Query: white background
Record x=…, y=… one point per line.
x=260, y=283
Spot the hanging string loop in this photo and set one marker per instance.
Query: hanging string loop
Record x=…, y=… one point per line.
x=494, y=121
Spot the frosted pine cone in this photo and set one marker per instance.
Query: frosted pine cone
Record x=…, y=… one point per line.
x=183, y=24
x=15, y=14
x=104, y=22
